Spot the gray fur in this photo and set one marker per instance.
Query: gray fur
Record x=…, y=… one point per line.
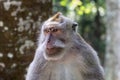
x=78, y=62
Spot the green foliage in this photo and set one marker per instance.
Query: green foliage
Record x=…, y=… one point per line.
x=89, y=15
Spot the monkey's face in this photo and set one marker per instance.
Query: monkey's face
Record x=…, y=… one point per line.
x=56, y=40
x=58, y=31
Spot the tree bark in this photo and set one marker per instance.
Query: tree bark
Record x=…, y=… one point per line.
x=112, y=66
x=19, y=23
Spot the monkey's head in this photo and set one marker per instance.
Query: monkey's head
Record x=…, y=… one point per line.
x=57, y=31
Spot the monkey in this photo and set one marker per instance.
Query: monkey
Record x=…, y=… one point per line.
x=62, y=54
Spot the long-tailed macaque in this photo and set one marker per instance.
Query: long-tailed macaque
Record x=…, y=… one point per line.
x=62, y=54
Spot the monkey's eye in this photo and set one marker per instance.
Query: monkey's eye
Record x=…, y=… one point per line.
x=46, y=30
x=55, y=30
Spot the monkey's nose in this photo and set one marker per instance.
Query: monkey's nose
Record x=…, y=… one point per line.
x=49, y=38
x=48, y=41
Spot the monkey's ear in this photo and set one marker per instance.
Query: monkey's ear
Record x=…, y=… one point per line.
x=74, y=25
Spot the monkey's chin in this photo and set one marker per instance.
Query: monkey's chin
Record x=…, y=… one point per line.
x=53, y=54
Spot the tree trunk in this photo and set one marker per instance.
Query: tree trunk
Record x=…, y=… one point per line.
x=112, y=66
x=19, y=23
